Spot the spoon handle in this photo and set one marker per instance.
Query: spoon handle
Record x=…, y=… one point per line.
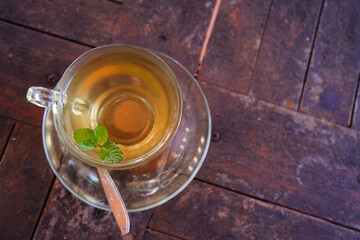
x=115, y=201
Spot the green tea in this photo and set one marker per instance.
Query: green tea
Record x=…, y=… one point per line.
x=128, y=93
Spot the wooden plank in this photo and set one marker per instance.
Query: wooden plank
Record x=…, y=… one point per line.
x=5, y=130
x=66, y=217
x=230, y=57
x=154, y=235
x=176, y=28
x=207, y=212
x=285, y=51
x=334, y=71
x=28, y=58
x=25, y=179
x=283, y=156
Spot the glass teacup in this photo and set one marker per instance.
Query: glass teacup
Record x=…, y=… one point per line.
x=129, y=90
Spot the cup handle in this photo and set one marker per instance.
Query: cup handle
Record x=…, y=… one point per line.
x=42, y=97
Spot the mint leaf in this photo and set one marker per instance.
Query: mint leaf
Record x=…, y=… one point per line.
x=83, y=134
x=101, y=134
x=102, y=153
x=114, y=153
x=113, y=157
x=90, y=139
x=88, y=144
x=108, y=145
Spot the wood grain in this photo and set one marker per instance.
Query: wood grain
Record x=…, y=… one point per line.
x=66, y=217
x=334, y=71
x=234, y=43
x=176, y=28
x=285, y=51
x=206, y=212
x=29, y=58
x=5, y=130
x=25, y=179
x=284, y=157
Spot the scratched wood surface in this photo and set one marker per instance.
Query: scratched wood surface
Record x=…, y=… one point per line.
x=172, y=27
x=285, y=51
x=334, y=71
x=232, y=216
x=66, y=217
x=284, y=157
x=30, y=59
x=25, y=180
x=281, y=78
x=234, y=44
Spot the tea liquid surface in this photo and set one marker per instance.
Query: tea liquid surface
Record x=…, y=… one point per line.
x=128, y=94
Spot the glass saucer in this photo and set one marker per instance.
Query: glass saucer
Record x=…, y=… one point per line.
x=152, y=183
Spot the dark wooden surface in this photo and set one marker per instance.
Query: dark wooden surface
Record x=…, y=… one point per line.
x=281, y=78
x=336, y=55
x=285, y=49
x=25, y=180
x=234, y=44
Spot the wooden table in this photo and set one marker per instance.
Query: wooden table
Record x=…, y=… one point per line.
x=281, y=78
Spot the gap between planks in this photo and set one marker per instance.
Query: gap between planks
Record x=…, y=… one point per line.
x=260, y=46
x=47, y=33
x=165, y=233
x=280, y=108
x=310, y=56
x=36, y=226
x=7, y=141
x=116, y=1
x=16, y=121
x=354, y=102
x=279, y=205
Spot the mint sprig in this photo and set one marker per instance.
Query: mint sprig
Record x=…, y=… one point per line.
x=89, y=139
